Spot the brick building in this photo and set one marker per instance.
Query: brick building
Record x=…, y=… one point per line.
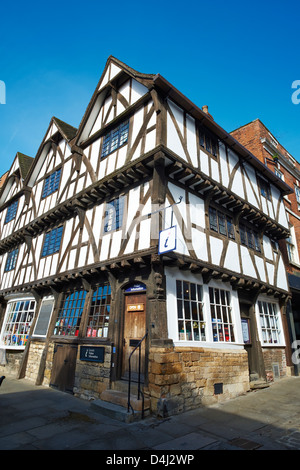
x=256, y=137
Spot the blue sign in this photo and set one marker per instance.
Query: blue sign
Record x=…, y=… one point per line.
x=136, y=287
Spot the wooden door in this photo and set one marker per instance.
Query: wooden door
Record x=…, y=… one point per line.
x=63, y=368
x=134, y=330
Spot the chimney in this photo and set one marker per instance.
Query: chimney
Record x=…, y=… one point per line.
x=205, y=110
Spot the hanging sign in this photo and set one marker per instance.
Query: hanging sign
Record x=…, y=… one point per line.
x=167, y=240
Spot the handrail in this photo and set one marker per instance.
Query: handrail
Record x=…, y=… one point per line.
x=139, y=375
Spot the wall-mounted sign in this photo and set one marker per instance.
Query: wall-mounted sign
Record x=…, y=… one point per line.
x=246, y=330
x=135, y=308
x=93, y=354
x=136, y=287
x=167, y=240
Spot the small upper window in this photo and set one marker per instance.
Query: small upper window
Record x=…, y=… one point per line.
x=51, y=183
x=52, y=241
x=264, y=188
x=11, y=260
x=221, y=223
x=11, y=211
x=114, y=214
x=208, y=142
x=249, y=238
x=115, y=138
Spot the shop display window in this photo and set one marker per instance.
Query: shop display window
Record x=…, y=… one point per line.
x=17, y=323
x=69, y=314
x=99, y=312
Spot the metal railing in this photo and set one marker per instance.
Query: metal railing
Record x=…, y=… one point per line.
x=140, y=393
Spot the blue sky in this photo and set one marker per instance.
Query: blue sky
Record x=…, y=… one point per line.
x=240, y=60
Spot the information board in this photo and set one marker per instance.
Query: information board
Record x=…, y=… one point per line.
x=91, y=353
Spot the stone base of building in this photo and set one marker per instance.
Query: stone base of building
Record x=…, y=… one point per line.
x=181, y=379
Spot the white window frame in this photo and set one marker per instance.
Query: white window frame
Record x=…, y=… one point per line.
x=26, y=324
x=261, y=328
x=49, y=298
x=172, y=275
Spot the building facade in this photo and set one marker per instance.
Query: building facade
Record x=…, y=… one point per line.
x=263, y=144
x=149, y=222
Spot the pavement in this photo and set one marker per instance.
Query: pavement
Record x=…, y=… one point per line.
x=41, y=418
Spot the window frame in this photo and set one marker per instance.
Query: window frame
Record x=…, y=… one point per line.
x=220, y=305
x=114, y=139
x=11, y=211
x=113, y=214
x=12, y=324
x=11, y=260
x=249, y=237
x=207, y=141
x=264, y=188
x=267, y=326
x=221, y=223
x=48, y=242
x=51, y=183
x=70, y=310
x=190, y=314
x=99, y=312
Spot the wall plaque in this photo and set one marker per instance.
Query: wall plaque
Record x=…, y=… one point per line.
x=91, y=353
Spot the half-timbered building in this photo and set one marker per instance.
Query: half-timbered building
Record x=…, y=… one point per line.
x=141, y=246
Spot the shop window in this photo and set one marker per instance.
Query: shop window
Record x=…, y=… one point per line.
x=115, y=139
x=52, y=241
x=69, y=314
x=17, y=323
x=221, y=317
x=11, y=211
x=191, y=324
x=269, y=322
x=221, y=223
x=249, y=238
x=99, y=312
x=114, y=214
x=11, y=260
x=51, y=183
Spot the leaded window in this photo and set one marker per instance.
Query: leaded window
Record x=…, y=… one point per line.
x=51, y=183
x=191, y=324
x=208, y=142
x=115, y=139
x=269, y=322
x=114, y=214
x=17, y=323
x=221, y=317
x=99, y=312
x=52, y=241
x=249, y=238
x=11, y=260
x=221, y=223
x=70, y=313
x=11, y=211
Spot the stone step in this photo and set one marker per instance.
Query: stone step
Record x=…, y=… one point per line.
x=115, y=411
x=120, y=398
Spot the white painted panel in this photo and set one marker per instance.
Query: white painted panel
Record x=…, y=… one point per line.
x=197, y=210
x=199, y=244
x=237, y=184
x=283, y=218
x=72, y=258
x=125, y=90
x=191, y=140
x=114, y=70
x=111, y=163
x=173, y=141
x=121, y=157
x=223, y=164
x=261, y=268
x=281, y=276
x=270, y=271
x=216, y=248
x=267, y=248
x=82, y=256
x=214, y=170
x=120, y=107
x=178, y=115
x=204, y=167
x=247, y=264
x=144, y=236
x=133, y=200
x=130, y=245
x=105, y=247
x=232, y=256
x=137, y=123
x=150, y=140
x=138, y=90
x=116, y=244
x=105, y=78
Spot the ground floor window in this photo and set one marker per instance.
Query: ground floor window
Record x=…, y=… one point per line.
x=69, y=314
x=269, y=321
x=191, y=324
x=99, y=312
x=17, y=323
x=221, y=317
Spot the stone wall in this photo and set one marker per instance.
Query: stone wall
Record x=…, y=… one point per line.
x=181, y=379
x=12, y=361
x=34, y=359
x=92, y=378
x=275, y=360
